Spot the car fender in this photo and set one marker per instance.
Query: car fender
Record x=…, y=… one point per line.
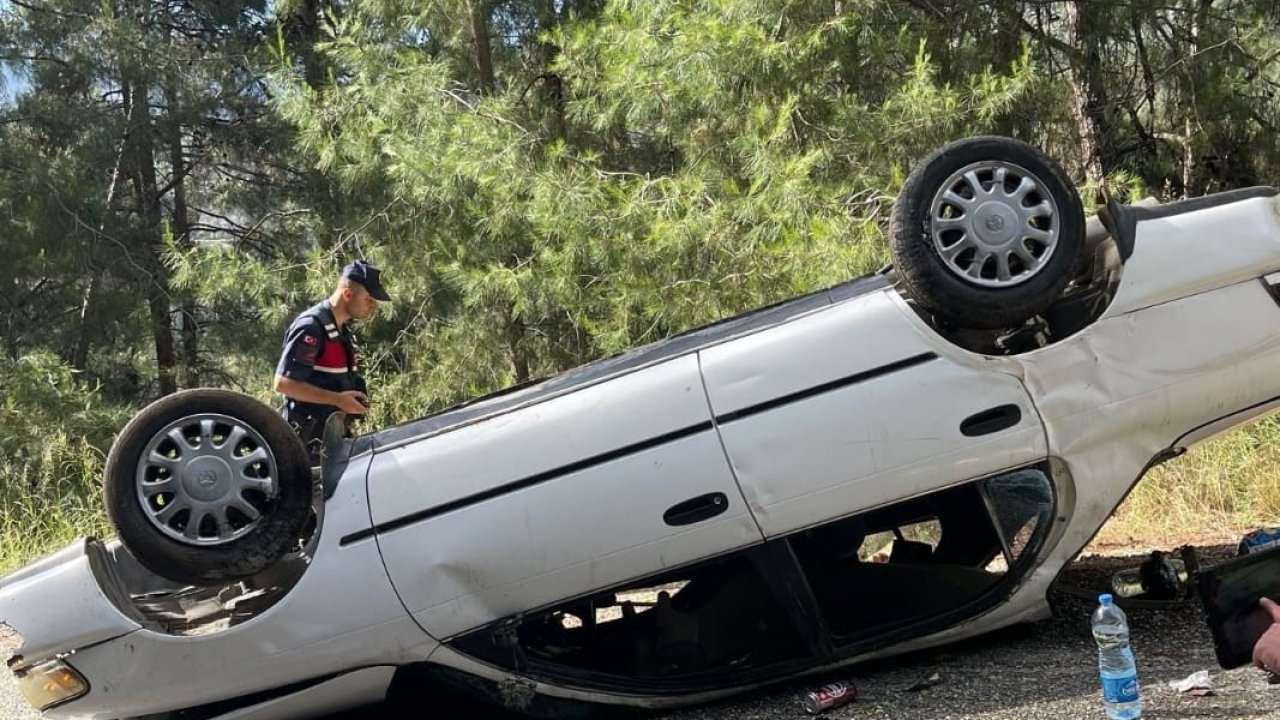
x=74, y=611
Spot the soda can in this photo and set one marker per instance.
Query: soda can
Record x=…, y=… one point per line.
x=829, y=696
x=1263, y=538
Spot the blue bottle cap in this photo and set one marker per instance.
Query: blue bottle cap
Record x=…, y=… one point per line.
x=1105, y=598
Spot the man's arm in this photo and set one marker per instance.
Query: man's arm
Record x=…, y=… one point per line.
x=301, y=349
x=348, y=401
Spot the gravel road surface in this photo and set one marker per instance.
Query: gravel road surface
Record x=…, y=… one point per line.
x=1045, y=671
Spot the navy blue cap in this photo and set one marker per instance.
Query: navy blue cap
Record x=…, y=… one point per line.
x=366, y=273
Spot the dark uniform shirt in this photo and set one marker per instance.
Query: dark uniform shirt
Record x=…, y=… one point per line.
x=317, y=352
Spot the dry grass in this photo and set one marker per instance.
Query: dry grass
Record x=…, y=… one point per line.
x=48, y=500
x=1214, y=493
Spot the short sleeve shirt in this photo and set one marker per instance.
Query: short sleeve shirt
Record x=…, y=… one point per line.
x=317, y=352
x=302, y=345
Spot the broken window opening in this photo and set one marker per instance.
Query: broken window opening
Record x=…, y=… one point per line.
x=922, y=557
x=879, y=547
x=716, y=616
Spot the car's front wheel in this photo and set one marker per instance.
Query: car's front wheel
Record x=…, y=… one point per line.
x=207, y=486
x=986, y=232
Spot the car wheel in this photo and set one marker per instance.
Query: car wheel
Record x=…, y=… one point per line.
x=207, y=486
x=986, y=232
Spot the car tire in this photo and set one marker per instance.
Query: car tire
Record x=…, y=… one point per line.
x=207, y=486
x=981, y=254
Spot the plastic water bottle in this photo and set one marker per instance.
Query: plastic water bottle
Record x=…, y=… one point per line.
x=1116, y=666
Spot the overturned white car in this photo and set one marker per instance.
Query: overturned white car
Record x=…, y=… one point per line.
x=899, y=461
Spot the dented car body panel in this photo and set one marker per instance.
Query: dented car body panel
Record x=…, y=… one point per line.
x=770, y=497
x=76, y=611
x=848, y=446
x=339, y=616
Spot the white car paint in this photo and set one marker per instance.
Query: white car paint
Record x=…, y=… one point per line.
x=342, y=616
x=538, y=504
x=863, y=443
x=589, y=528
x=1190, y=253
x=75, y=613
x=344, y=692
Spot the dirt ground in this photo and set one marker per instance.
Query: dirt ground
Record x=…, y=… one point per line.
x=1045, y=670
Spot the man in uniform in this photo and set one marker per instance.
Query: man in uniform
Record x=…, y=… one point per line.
x=318, y=372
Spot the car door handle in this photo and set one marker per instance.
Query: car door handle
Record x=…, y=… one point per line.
x=996, y=419
x=698, y=509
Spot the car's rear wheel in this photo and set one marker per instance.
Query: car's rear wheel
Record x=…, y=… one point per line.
x=208, y=486
x=986, y=232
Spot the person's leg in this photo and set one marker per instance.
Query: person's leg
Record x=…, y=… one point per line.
x=310, y=431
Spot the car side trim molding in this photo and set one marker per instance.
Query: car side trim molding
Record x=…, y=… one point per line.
x=529, y=481
x=826, y=387
x=641, y=446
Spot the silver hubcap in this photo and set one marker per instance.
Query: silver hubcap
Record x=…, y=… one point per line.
x=206, y=479
x=994, y=224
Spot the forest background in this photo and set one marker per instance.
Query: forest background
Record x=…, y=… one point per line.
x=544, y=182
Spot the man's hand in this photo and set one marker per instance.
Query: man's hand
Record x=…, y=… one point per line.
x=353, y=402
x=1266, y=652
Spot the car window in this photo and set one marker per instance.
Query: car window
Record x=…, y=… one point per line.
x=718, y=615
x=1021, y=501
x=922, y=557
x=880, y=546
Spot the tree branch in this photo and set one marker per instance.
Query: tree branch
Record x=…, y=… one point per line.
x=50, y=11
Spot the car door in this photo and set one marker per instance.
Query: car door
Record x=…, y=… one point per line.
x=858, y=405
x=562, y=497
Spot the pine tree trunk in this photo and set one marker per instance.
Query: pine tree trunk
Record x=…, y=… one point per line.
x=1088, y=92
x=147, y=193
x=552, y=92
x=161, y=328
x=80, y=351
x=181, y=225
x=515, y=336
x=1006, y=49
x=479, y=17
x=11, y=331
x=302, y=30
x=1199, y=10
x=312, y=61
